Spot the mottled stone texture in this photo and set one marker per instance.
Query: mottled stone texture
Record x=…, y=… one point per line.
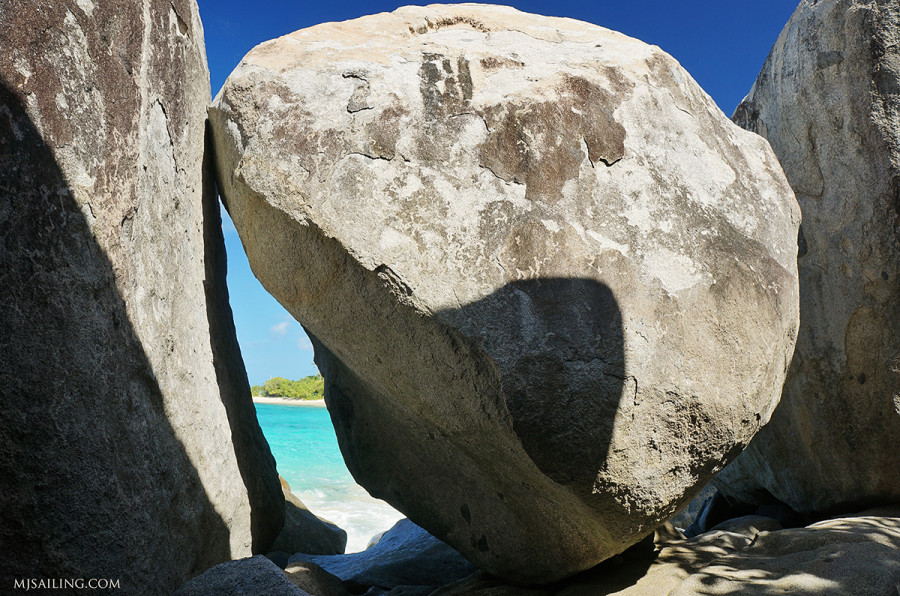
x=405, y=555
x=552, y=287
x=304, y=532
x=828, y=100
x=847, y=555
x=836, y=557
x=256, y=576
x=129, y=447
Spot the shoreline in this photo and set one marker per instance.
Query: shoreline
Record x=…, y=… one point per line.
x=286, y=401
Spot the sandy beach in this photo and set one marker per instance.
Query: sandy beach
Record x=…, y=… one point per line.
x=284, y=401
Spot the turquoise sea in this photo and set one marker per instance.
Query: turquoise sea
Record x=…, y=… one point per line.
x=307, y=455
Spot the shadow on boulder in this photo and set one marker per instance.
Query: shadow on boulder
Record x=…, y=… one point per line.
x=559, y=345
x=514, y=396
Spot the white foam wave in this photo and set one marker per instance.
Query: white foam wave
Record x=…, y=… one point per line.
x=359, y=514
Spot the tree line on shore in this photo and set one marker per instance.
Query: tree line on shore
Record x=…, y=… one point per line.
x=311, y=387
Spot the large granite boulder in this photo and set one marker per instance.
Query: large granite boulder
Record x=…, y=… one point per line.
x=129, y=447
x=552, y=288
x=828, y=100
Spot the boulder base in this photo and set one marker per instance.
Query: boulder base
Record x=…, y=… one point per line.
x=849, y=555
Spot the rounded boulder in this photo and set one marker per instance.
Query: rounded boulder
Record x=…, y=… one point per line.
x=551, y=287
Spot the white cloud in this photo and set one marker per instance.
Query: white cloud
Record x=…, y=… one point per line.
x=281, y=329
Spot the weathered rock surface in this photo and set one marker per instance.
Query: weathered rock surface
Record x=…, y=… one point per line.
x=552, y=288
x=311, y=578
x=304, y=531
x=479, y=585
x=254, y=576
x=749, y=525
x=406, y=555
x=828, y=100
x=129, y=446
x=851, y=555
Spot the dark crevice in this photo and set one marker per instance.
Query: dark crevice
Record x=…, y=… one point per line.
x=254, y=458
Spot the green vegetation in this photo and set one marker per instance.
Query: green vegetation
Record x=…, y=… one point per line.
x=306, y=388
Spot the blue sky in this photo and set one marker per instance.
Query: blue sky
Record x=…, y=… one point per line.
x=722, y=43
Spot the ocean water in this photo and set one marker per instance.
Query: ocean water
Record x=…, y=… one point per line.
x=307, y=456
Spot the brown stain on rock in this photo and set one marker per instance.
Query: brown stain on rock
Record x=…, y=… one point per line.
x=430, y=25
x=445, y=84
x=445, y=90
x=497, y=62
x=384, y=131
x=542, y=144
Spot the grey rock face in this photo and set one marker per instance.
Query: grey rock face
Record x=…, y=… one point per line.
x=848, y=555
x=255, y=576
x=827, y=100
x=312, y=579
x=748, y=525
x=406, y=555
x=305, y=532
x=687, y=516
x=129, y=447
x=552, y=288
